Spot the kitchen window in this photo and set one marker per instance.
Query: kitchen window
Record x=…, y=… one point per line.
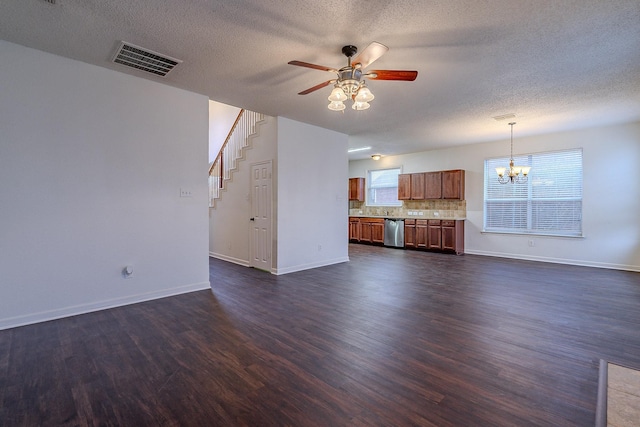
x=382, y=187
x=549, y=203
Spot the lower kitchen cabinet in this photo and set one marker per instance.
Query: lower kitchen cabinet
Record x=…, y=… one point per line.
x=354, y=229
x=434, y=235
x=410, y=233
x=453, y=236
x=366, y=230
x=426, y=234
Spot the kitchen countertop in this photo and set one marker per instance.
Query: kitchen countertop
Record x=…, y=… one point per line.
x=406, y=217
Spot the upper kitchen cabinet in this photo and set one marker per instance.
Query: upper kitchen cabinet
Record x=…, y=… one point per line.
x=417, y=186
x=411, y=186
x=453, y=184
x=404, y=186
x=433, y=185
x=356, y=189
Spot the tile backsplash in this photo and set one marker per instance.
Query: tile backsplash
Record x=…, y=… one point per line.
x=447, y=209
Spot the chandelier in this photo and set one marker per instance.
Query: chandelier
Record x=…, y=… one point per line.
x=514, y=174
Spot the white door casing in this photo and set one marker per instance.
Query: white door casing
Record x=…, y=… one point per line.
x=260, y=220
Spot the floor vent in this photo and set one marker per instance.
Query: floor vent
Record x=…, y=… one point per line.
x=143, y=59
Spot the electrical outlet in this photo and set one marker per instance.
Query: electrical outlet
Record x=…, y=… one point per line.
x=184, y=192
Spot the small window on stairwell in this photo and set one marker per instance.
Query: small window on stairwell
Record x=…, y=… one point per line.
x=382, y=187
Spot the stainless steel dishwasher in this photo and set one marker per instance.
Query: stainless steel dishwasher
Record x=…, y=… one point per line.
x=394, y=233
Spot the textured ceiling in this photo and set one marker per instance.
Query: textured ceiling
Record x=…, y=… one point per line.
x=556, y=64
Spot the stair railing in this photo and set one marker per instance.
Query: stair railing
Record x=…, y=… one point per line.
x=231, y=150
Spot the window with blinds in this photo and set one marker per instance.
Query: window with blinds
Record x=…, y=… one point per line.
x=550, y=203
x=382, y=187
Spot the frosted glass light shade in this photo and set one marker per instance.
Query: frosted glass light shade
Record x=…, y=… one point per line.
x=337, y=95
x=364, y=95
x=336, y=106
x=500, y=171
x=360, y=105
x=525, y=170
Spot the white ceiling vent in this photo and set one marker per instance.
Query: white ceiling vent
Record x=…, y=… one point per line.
x=143, y=59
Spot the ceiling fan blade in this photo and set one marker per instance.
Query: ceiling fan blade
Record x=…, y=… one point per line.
x=316, y=87
x=314, y=66
x=372, y=52
x=404, y=75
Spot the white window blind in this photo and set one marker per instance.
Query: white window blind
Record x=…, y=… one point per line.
x=382, y=187
x=550, y=203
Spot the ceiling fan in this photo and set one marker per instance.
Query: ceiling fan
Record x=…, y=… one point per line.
x=351, y=79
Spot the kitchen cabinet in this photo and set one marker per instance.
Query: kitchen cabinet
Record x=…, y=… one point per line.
x=421, y=233
x=453, y=184
x=404, y=186
x=354, y=229
x=356, y=189
x=433, y=185
x=453, y=236
x=366, y=230
x=411, y=186
x=417, y=186
x=434, y=234
x=410, y=233
x=377, y=231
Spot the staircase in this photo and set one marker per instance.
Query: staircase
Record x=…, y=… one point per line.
x=238, y=139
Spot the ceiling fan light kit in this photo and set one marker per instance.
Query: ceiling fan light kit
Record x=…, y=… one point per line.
x=350, y=83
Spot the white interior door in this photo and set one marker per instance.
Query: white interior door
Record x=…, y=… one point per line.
x=260, y=221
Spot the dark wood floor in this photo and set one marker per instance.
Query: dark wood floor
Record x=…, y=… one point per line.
x=391, y=338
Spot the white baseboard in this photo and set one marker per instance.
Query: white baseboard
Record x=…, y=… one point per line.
x=581, y=263
x=242, y=262
x=301, y=267
x=28, y=319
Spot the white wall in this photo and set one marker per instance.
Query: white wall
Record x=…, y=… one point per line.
x=611, y=195
x=229, y=220
x=91, y=166
x=312, y=197
x=221, y=118
x=310, y=192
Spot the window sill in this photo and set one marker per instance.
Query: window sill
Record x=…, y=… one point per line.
x=562, y=236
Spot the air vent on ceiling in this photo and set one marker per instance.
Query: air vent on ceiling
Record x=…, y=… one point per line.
x=50, y=1
x=143, y=59
x=504, y=117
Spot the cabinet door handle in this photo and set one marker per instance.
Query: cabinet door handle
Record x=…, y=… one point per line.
x=252, y=219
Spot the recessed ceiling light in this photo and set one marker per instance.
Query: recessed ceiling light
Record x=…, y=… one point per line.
x=353, y=150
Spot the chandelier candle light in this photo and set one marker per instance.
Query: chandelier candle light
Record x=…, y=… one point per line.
x=516, y=174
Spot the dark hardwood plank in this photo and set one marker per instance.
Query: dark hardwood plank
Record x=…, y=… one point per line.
x=393, y=337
